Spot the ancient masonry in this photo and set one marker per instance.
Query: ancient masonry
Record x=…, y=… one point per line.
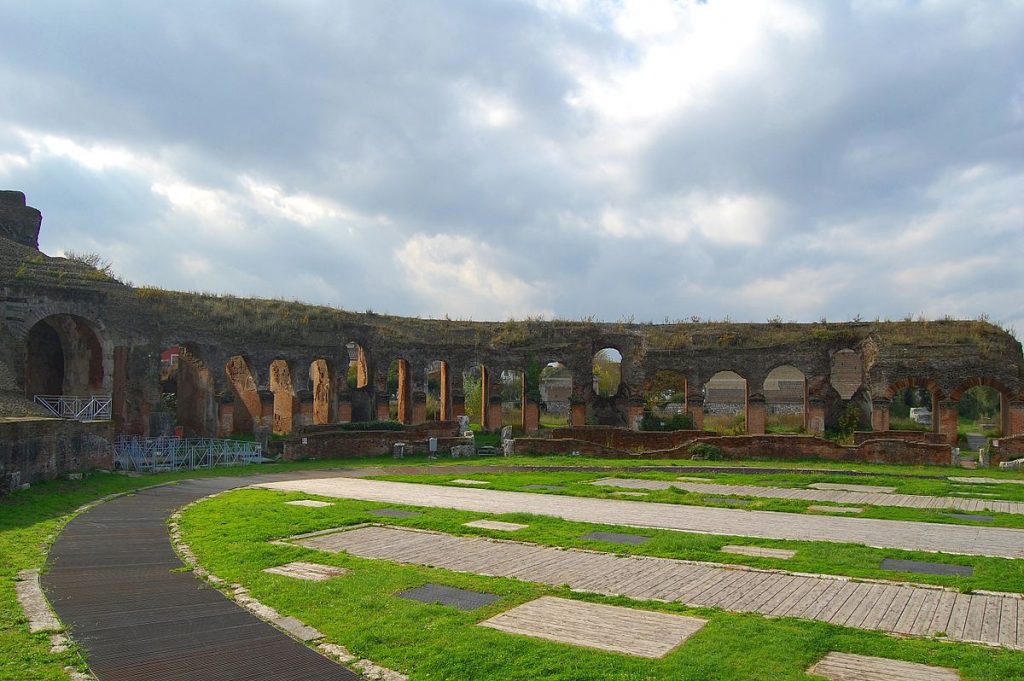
x=67, y=328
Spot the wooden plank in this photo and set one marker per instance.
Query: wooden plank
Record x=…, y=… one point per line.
x=847, y=667
x=990, y=624
x=975, y=618
x=1008, y=622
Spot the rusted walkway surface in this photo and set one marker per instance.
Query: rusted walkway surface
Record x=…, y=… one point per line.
x=111, y=580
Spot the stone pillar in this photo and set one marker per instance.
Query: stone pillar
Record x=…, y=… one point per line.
x=757, y=414
x=636, y=413
x=695, y=408
x=578, y=414
x=946, y=416
x=816, y=415
x=880, y=414
x=322, y=396
x=226, y=419
x=445, y=412
x=1013, y=421
x=531, y=416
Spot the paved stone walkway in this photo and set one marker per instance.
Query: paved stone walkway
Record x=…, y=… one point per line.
x=887, y=607
x=840, y=497
x=962, y=539
x=111, y=580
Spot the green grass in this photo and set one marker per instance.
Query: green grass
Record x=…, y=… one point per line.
x=360, y=610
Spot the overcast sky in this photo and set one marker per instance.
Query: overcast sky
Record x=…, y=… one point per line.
x=496, y=159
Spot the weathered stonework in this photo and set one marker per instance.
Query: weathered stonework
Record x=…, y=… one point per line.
x=246, y=362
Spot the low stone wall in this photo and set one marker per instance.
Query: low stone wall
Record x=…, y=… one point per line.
x=629, y=440
x=353, y=444
x=904, y=435
x=753, y=447
x=1007, y=449
x=32, y=450
x=420, y=430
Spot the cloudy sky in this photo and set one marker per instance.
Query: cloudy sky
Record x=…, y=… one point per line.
x=488, y=159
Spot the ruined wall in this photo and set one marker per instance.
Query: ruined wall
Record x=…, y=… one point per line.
x=319, y=442
x=18, y=222
x=629, y=440
x=43, y=449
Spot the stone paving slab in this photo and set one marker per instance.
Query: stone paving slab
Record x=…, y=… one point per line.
x=891, y=607
x=837, y=487
x=309, y=503
x=314, y=572
x=495, y=525
x=466, y=481
x=985, y=481
x=33, y=603
x=891, y=534
x=847, y=667
x=758, y=551
x=835, y=509
x=547, y=487
x=826, y=492
x=594, y=625
x=463, y=599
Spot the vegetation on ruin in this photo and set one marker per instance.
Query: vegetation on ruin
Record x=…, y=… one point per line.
x=231, y=533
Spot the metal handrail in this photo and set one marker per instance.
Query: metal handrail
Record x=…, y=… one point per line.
x=148, y=454
x=77, y=408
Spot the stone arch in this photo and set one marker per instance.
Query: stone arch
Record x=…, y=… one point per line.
x=437, y=379
x=785, y=398
x=1011, y=412
x=664, y=394
x=892, y=404
x=285, y=400
x=66, y=355
x=196, y=397
x=399, y=391
x=513, y=398
x=725, y=402
x=607, y=371
x=556, y=392
x=356, y=385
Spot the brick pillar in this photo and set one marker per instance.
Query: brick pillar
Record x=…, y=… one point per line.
x=344, y=409
x=494, y=412
x=419, y=406
x=485, y=399
x=695, y=408
x=267, y=408
x=458, y=405
x=947, y=415
x=757, y=415
x=579, y=414
x=636, y=413
x=383, y=408
x=880, y=415
x=226, y=419
x=815, y=415
x=445, y=412
x=531, y=417
x=1014, y=419
x=306, y=411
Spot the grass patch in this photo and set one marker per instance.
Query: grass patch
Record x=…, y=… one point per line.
x=230, y=535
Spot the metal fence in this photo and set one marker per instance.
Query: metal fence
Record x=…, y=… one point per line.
x=150, y=454
x=89, y=408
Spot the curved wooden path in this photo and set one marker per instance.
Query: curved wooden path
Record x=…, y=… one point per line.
x=111, y=579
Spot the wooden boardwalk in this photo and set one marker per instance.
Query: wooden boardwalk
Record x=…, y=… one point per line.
x=879, y=606
x=847, y=667
x=893, y=534
x=836, y=496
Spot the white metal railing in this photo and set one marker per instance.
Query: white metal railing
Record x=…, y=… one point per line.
x=148, y=454
x=88, y=408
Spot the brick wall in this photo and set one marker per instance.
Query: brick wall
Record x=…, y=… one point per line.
x=903, y=435
x=351, y=444
x=626, y=439
x=42, y=449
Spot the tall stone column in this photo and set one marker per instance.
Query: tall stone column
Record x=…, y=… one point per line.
x=446, y=408
x=578, y=413
x=531, y=416
x=880, y=414
x=695, y=408
x=757, y=414
x=636, y=413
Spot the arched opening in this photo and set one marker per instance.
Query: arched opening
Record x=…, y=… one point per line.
x=513, y=398
x=555, y=395
x=247, y=408
x=323, y=397
x=725, y=403
x=913, y=405
x=399, y=387
x=64, y=356
x=983, y=409
x=195, y=408
x=357, y=383
x=607, y=372
x=439, y=393
x=477, y=390
x=785, y=396
x=665, y=402
x=285, y=402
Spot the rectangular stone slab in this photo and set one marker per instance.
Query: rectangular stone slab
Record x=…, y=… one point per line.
x=847, y=667
x=971, y=516
x=309, y=503
x=314, y=572
x=495, y=525
x=616, y=537
x=593, y=625
x=463, y=481
x=852, y=488
x=835, y=509
x=924, y=568
x=551, y=487
x=447, y=595
x=394, y=513
x=758, y=551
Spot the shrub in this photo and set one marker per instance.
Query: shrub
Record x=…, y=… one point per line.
x=702, y=451
x=665, y=423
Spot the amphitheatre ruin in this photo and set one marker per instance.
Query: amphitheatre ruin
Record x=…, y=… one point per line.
x=581, y=548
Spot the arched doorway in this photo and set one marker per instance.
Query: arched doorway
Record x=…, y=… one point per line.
x=357, y=386
x=785, y=396
x=64, y=356
x=725, y=403
x=555, y=395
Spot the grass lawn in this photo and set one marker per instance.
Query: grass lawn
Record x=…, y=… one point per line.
x=578, y=484
x=230, y=535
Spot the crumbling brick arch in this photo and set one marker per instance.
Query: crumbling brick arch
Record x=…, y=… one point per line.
x=196, y=397
x=247, y=408
x=784, y=389
x=321, y=386
x=66, y=354
x=1011, y=405
x=398, y=388
x=285, y=400
x=355, y=384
